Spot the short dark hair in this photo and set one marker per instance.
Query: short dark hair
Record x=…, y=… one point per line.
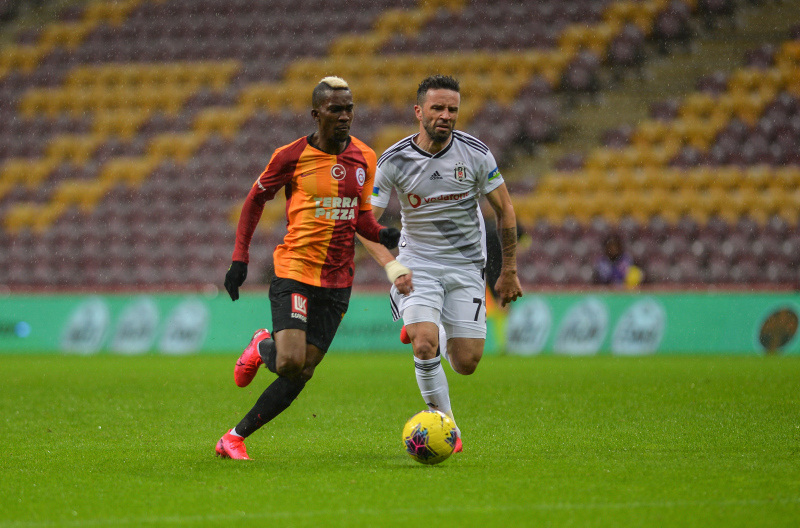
x=436, y=82
x=325, y=87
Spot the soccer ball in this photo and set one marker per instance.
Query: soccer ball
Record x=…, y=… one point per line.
x=429, y=437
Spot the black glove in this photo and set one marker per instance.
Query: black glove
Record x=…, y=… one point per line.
x=235, y=277
x=389, y=237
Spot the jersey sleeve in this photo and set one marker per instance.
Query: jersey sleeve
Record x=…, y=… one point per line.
x=369, y=181
x=277, y=174
x=489, y=177
x=382, y=188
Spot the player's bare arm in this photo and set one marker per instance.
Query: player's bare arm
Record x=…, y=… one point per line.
x=398, y=274
x=507, y=285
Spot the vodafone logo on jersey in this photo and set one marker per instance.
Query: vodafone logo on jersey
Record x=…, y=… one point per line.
x=299, y=307
x=415, y=201
x=338, y=172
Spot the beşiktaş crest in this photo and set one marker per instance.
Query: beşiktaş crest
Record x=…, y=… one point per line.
x=461, y=171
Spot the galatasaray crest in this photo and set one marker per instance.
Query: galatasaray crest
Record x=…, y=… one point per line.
x=461, y=171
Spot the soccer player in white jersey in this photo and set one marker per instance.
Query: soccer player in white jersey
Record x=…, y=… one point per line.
x=440, y=174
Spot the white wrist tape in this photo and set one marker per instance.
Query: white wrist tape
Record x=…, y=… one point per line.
x=394, y=269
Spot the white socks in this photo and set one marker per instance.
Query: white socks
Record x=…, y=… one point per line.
x=234, y=433
x=433, y=385
x=443, y=343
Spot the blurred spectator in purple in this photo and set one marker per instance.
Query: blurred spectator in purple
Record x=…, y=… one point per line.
x=615, y=266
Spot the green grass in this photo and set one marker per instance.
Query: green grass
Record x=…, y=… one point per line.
x=548, y=441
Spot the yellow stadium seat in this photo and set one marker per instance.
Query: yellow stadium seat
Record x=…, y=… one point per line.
x=306, y=70
x=81, y=77
x=649, y=133
x=698, y=105
x=168, y=99
x=257, y=96
x=175, y=146
x=696, y=179
x=551, y=183
x=787, y=178
x=132, y=75
x=661, y=177
x=527, y=208
x=770, y=202
x=389, y=135
x=744, y=81
x=357, y=44
x=726, y=178
x=113, y=12
x=756, y=178
x=788, y=206
x=700, y=133
x=131, y=171
x=570, y=183
x=789, y=55
x=65, y=34
x=629, y=203
x=75, y=149
x=35, y=102
x=124, y=123
x=594, y=181
x=26, y=171
x=580, y=207
x=793, y=82
x=601, y=159
x=648, y=204
x=224, y=121
x=686, y=200
x=748, y=108
x=605, y=205
x=84, y=194
x=703, y=206
x=20, y=216
x=733, y=207
x=21, y=57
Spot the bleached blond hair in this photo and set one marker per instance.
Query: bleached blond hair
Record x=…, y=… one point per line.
x=324, y=87
x=337, y=83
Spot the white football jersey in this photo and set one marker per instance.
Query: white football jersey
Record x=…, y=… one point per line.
x=439, y=196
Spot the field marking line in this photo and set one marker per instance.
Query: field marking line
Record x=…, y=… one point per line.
x=189, y=519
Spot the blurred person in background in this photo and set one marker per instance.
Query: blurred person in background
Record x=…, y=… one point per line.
x=615, y=266
x=327, y=178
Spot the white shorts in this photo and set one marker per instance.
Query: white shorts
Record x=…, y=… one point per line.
x=456, y=297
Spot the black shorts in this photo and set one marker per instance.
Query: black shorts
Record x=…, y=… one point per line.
x=315, y=310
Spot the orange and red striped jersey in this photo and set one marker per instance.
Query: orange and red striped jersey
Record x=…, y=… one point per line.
x=325, y=196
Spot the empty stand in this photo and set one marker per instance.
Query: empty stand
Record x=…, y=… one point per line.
x=133, y=129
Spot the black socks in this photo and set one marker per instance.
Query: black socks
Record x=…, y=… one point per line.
x=273, y=401
x=268, y=353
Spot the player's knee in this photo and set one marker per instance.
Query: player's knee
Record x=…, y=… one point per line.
x=465, y=367
x=465, y=359
x=307, y=373
x=424, y=348
x=289, y=367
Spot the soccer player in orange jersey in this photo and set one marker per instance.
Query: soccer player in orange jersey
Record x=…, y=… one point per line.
x=327, y=178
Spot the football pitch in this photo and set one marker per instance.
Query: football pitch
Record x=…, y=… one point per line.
x=548, y=441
